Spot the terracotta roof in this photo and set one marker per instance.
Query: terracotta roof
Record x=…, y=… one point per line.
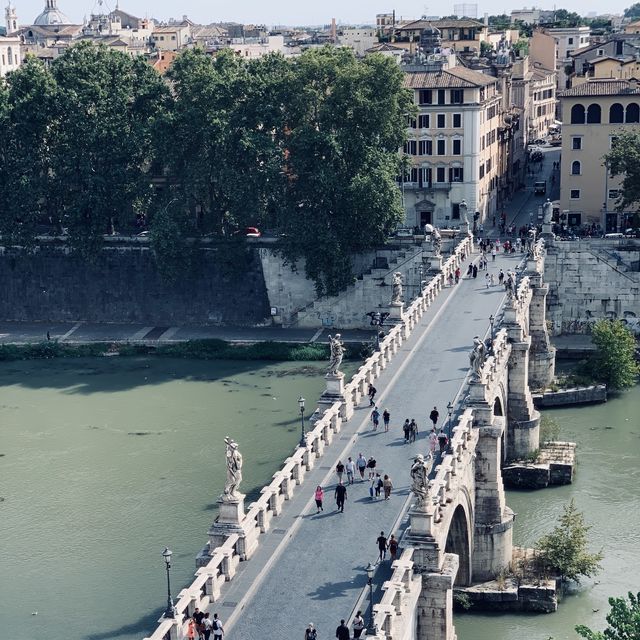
x=384, y=46
x=464, y=23
x=456, y=78
x=601, y=88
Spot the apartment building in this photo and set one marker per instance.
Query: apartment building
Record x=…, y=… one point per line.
x=453, y=145
x=568, y=40
x=596, y=112
x=10, y=56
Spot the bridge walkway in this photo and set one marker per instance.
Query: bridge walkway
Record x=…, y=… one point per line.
x=310, y=568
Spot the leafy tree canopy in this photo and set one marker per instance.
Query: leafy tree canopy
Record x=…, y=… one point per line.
x=623, y=621
x=633, y=11
x=624, y=160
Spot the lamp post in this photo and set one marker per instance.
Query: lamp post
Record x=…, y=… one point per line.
x=377, y=320
x=370, y=570
x=449, y=413
x=303, y=441
x=170, y=611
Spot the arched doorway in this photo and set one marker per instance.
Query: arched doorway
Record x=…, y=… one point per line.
x=458, y=542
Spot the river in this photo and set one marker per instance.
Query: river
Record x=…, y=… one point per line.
x=605, y=488
x=103, y=462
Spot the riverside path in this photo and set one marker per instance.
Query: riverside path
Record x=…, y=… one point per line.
x=310, y=567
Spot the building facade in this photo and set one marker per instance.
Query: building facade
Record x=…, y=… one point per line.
x=568, y=40
x=595, y=112
x=10, y=54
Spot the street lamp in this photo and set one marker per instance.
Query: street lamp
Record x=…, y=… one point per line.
x=449, y=413
x=170, y=611
x=370, y=628
x=303, y=442
x=377, y=320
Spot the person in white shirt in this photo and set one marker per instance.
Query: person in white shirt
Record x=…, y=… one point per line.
x=358, y=625
x=351, y=470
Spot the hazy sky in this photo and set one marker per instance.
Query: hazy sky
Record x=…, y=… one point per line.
x=272, y=12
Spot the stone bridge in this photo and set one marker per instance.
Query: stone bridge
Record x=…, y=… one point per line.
x=461, y=534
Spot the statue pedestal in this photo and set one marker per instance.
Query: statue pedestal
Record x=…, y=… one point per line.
x=421, y=520
x=396, y=312
x=335, y=393
x=547, y=232
x=231, y=510
x=435, y=263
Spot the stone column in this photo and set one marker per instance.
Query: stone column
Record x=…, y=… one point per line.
x=435, y=604
x=542, y=359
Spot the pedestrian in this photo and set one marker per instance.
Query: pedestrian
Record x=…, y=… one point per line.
x=442, y=440
x=386, y=416
x=457, y=274
x=501, y=276
x=494, y=221
x=433, y=441
x=198, y=616
x=406, y=427
x=372, y=394
x=339, y=470
x=493, y=254
x=434, y=415
x=342, y=632
x=387, y=485
x=382, y=546
x=487, y=279
x=358, y=625
x=379, y=485
x=475, y=271
x=350, y=468
x=319, y=497
x=361, y=463
x=341, y=496
x=450, y=278
x=371, y=465
x=493, y=280
x=191, y=629
x=470, y=270
x=218, y=629
x=207, y=626
x=311, y=633
x=375, y=418
x=413, y=430
x=393, y=547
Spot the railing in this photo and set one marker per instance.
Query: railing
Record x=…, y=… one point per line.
x=224, y=559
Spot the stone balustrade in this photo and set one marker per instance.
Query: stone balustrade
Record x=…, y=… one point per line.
x=221, y=568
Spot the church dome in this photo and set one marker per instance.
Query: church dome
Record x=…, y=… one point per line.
x=51, y=15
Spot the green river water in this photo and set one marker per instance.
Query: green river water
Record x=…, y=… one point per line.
x=104, y=462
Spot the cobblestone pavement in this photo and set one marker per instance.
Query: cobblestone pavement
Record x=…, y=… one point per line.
x=310, y=568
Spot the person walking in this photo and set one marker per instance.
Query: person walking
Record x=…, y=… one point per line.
x=457, y=274
x=386, y=416
x=470, y=270
x=413, y=430
x=358, y=625
x=311, y=633
x=406, y=428
x=475, y=271
x=198, y=616
x=434, y=415
x=387, y=485
x=319, y=497
x=341, y=496
x=361, y=463
x=487, y=279
x=500, y=276
x=218, y=629
x=493, y=254
x=382, y=546
x=350, y=468
x=372, y=394
x=371, y=465
x=191, y=629
x=375, y=418
x=207, y=626
x=433, y=441
x=378, y=485
x=393, y=547
x=493, y=280
x=442, y=440
x=339, y=470
x=342, y=632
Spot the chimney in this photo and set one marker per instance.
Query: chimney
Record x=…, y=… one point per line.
x=333, y=29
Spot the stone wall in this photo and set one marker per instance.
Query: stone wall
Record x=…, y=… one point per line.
x=124, y=285
x=592, y=279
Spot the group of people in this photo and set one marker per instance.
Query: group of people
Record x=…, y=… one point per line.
x=202, y=626
x=342, y=632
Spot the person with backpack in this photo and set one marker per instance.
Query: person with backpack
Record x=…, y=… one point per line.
x=442, y=440
x=371, y=465
x=358, y=625
x=372, y=394
x=378, y=485
x=406, y=428
x=218, y=629
x=339, y=470
x=387, y=486
x=386, y=416
x=375, y=418
x=434, y=415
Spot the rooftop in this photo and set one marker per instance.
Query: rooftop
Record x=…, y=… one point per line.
x=463, y=23
x=455, y=78
x=606, y=87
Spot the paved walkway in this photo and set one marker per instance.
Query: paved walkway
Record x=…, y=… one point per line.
x=310, y=568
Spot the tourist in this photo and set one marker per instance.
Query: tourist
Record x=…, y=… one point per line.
x=393, y=547
x=382, y=546
x=493, y=254
x=311, y=632
x=375, y=418
x=361, y=463
x=207, y=626
x=434, y=415
x=493, y=280
x=450, y=278
x=198, y=616
x=457, y=274
x=371, y=465
x=218, y=629
x=372, y=394
x=373, y=488
x=341, y=496
x=475, y=271
x=387, y=486
x=386, y=416
x=433, y=441
x=413, y=430
x=500, y=276
x=319, y=497
x=191, y=629
x=358, y=625
x=470, y=270
x=351, y=470
x=342, y=632
x=442, y=440
x=406, y=427
x=487, y=279
x=339, y=470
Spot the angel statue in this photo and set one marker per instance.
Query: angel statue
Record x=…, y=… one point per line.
x=420, y=480
x=477, y=356
x=337, y=353
x=234, y=469
x=436, y=241
x=396, y=291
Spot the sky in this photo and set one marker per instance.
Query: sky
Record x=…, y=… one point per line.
x=291, y=12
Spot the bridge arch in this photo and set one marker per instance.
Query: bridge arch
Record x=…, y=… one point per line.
x=460, y=537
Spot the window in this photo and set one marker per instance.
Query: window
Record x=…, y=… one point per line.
x=457, y=96
x=455, y=211
x=576, y=169
x=441, y=121
x=569, y=52
x=613, y=194
x=441, y=147
x=594, y=114
x=481, y=171
x=570, y=41
x=482, y=142
x=425, y=96
x=9, y=55
x=456, y=174
x=411, y=123
x=457, y=147
x=426, y=177
x=457, y=120
x=576, y=143
x=440, y=174
x=413, y=175
x=575, y=194
x=423, y=122
x=173, y=37
x=612, y=141
x=600, y=52
x=577, y=114
x=441, y=95
x=410, y=147
x=633, y=112
x=425, y=148
x=488, y=165
x=616, y=113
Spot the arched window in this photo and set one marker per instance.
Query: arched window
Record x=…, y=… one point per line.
x=633, y=112
x=575, y=168
x=577, y=114
x=616, y=113
x=9, y=56
x=594, y=114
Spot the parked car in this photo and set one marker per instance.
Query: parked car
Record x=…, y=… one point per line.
x=540, y=188
x=251, y=232
x=540, y=141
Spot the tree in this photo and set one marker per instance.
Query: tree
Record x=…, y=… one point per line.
x=564, y=18
x=633, y=11
x=624, y=159
x=623, y=620
x=502, y=21
x=564, y=551
x=485, y=49
x=614, y=362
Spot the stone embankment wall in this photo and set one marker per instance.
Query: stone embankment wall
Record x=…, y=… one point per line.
x=124, y=285
x=580, y=395
x=592, y=279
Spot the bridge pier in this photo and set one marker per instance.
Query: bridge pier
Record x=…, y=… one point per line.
x=542, y=359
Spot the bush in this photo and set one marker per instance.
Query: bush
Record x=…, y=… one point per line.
x=549, y=429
